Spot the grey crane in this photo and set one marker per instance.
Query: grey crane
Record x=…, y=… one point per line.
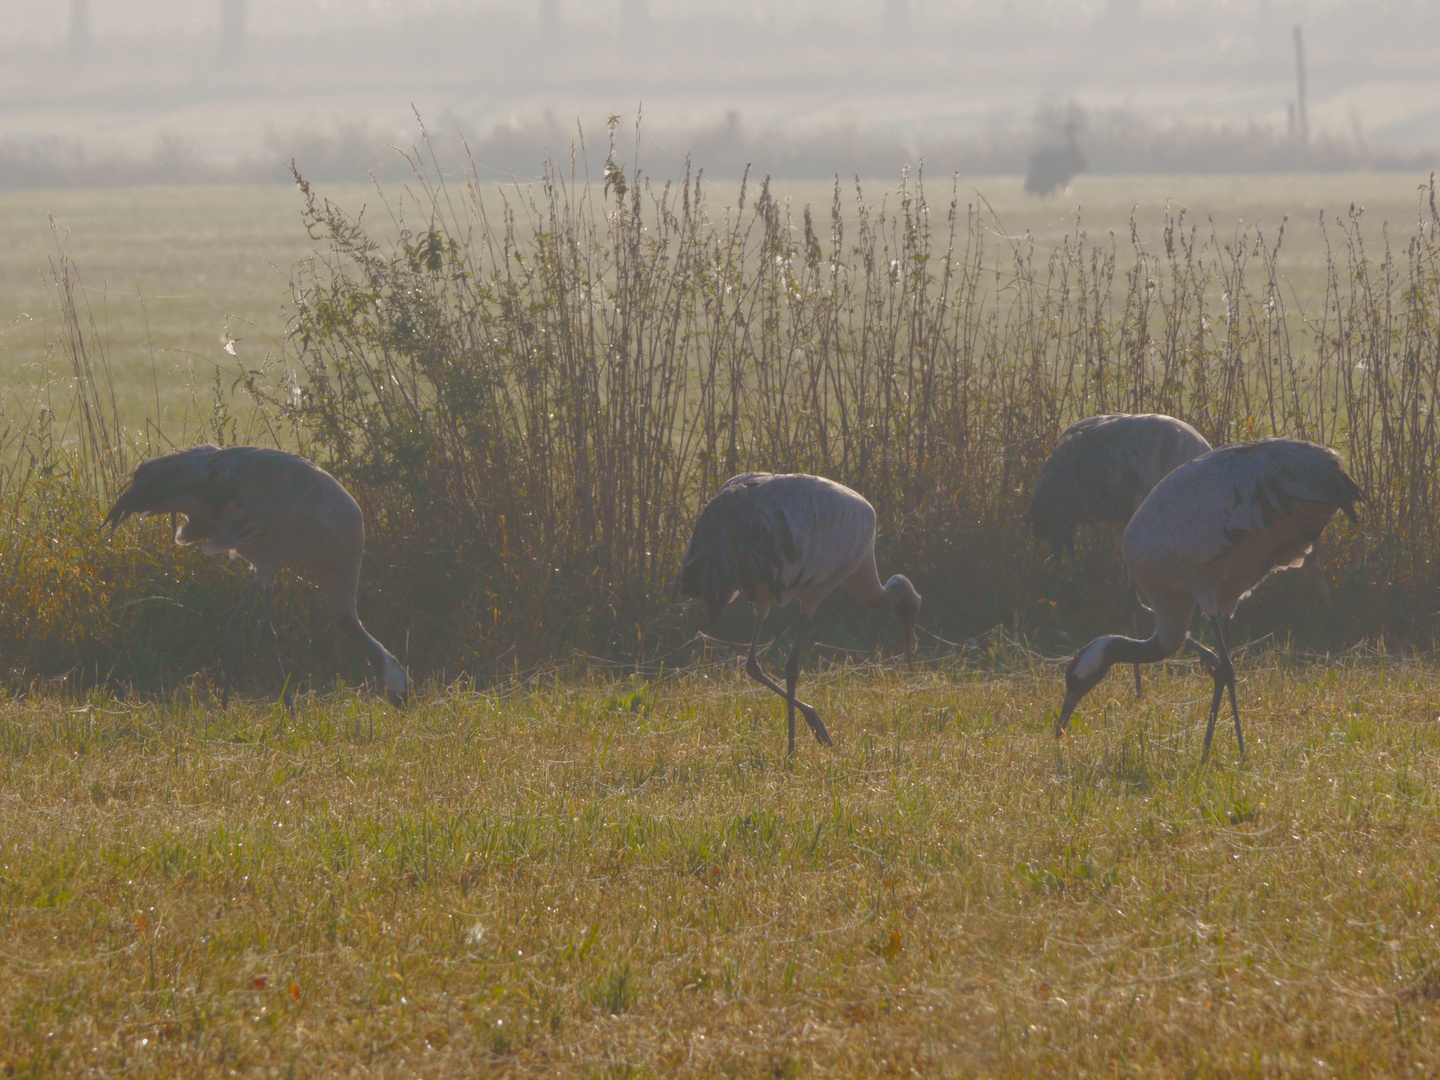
x=1100, y=471
x=275, y=510
x=1054, y=164
x=782, y=537
x=1208, y=534
x=1102, y=468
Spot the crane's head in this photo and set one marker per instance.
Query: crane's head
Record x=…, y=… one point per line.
x=1084, y=672
x=905, y=603
x=396, y=682
x=1051, y=523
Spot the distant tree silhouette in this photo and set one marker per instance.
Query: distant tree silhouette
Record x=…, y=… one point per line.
x=1054, y=164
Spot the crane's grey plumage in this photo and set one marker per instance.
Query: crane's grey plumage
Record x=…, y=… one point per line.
x=275, y=510
x=1208, y=534
x=1100, y=471
x=782, y=537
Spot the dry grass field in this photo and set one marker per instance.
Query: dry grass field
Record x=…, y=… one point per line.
x=598, y=878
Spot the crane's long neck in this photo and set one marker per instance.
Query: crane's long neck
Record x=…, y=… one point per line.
x=387, y=669
x=865, y=582
x=897, y=596
x=1172, y=613
x=1126, y=650
x=1095, y=659
x=1113, y=649
x=866, y=585
x=1084, y=672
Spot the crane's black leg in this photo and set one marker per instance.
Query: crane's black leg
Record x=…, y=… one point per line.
x=1214, y=710
x=792, y=675
x=1234, y=705
x=1316, y=572
x=1139, y=689
x=269, y=627
x=1136, y=606
x=753, y=669
x=1224, y=675
x=752, y=662
x=227, y=663
x=1208, y=659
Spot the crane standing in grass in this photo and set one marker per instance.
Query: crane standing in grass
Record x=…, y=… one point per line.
x=1100, y=472
x=1208, y=534
x=784, y=537
x=275, y=510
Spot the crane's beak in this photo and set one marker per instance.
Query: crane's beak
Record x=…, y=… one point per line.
x=1067, y=707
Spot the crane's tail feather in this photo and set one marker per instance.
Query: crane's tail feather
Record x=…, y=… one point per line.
x=1356, y=495
x=734, y=549
x=708, y=578
x=1291, y=471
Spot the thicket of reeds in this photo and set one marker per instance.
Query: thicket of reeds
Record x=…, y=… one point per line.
x=531, y=399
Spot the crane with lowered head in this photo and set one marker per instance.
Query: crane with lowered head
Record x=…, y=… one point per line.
x=1099, y=473
x=275, y=510
x=1206, y=536
x=782, y=537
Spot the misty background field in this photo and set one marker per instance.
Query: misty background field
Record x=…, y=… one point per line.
x=107, y=91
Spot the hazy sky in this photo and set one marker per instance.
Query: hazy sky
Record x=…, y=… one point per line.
x=147, y=69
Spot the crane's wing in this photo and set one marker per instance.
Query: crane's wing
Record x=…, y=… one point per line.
x=1235, y=514
x=773, y=537
x=736, y=547
x=226, y=495
x=828, y=529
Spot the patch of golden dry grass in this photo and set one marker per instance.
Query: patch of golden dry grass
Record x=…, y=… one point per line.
x=602, y=879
